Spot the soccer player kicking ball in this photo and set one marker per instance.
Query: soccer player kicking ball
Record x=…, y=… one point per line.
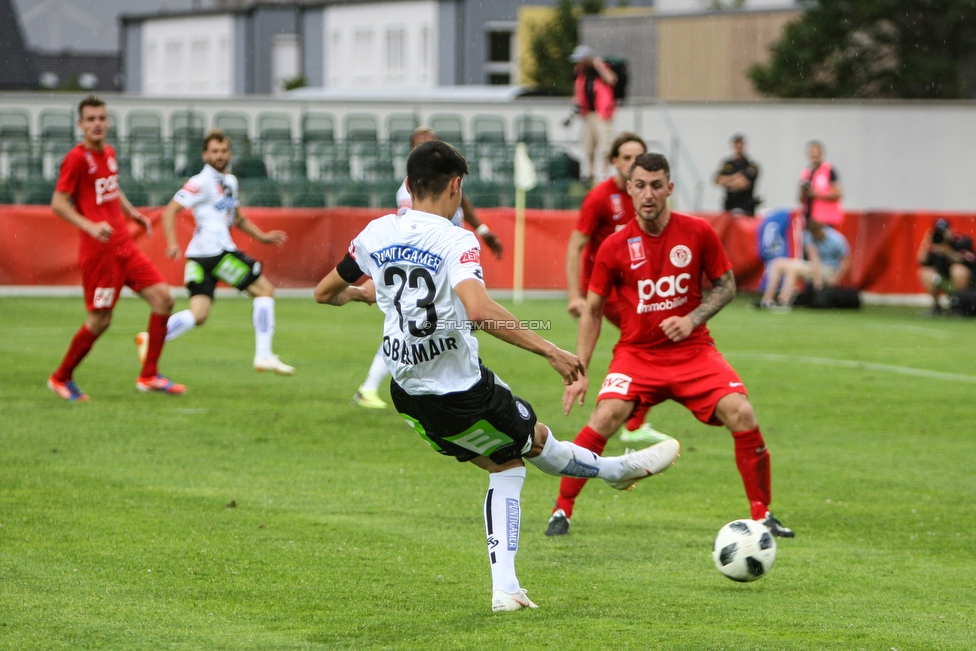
x=88, y=196
x=367, y=395
x=655, y=265
x=428, y=283
x=212, y=255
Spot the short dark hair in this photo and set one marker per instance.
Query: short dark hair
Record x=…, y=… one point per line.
x=653, y=163
x=737, y=137
x=215, y=134
x=623, y=139
x=431, y=166
x=92, y=100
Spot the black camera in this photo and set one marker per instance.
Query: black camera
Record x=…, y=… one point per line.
x=938, y=237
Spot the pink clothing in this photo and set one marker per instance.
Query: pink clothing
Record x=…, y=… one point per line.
x=605, y=101
x=825, y=211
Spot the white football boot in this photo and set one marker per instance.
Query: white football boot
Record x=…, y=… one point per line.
x=503, y=602
x=644, y=463
x=272, y=363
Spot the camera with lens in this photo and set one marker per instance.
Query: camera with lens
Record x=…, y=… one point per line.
x=938, y=237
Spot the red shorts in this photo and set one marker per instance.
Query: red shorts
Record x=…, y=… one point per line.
x=103, y=277
x=696, y=376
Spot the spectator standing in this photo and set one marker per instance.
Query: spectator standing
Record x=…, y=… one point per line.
x=820, y=189
x=596, y=101
x=828, y=259
x=738, y=175
x=947, y=262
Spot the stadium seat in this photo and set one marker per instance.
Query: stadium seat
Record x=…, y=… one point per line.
x=263, y=193
x=482, y=194
x=136, y=191
x=353, y=194
x=144, y=126
x=14, y=126
x=361, y=128
x=301, y=193
x=6, y=193
x=531, y=129
x=318, y=127
x=187, y=126
x=449, y=128
x=38, y=191
x=385, y=192
x=488, y=129
x=235, y=126
x=249, y=168
x=57, y=125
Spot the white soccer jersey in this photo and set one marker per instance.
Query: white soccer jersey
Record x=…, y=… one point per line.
x=415, y=261
x=405, y=203
x=213, y=198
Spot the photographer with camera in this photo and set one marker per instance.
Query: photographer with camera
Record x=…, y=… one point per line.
x=947, y=263
x=595, y=101
x=820, y=190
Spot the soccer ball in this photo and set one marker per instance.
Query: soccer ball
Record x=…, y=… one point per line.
x=744, y=550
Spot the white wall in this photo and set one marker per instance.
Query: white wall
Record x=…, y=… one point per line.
x=188, y=57
x=382, y=45
x=695, y=6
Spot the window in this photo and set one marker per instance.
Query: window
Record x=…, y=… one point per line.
x=500, y=47
x=396, y=53
x=501, y=54
x=362, y=48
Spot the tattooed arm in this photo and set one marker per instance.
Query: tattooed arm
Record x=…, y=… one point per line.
x=723, y=291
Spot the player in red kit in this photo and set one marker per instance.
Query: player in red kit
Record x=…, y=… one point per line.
x=88, y=196
x=655, y=264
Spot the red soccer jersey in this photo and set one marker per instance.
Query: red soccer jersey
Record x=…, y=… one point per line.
x=605, y=209
x=91, y=178
x=658, y=277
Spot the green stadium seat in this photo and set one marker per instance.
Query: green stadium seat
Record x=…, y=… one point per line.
x=247, y=167
x=488, y=129
x=308, y=199
x=263, y=193
x=483, y=194
x=14, y=127
x=38, y=191
x=385, y=191
x=318, y=127
x=399, y=127
x=449, y=128
x=136, y=191
x=188, y=127
x=531, y=129
x=235, y=125
x=57, y=125
x=361, y=128
x=144, y=126
x=6, y=193
x=353, y=194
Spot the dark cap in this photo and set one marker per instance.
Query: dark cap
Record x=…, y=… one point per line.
x=940, y=225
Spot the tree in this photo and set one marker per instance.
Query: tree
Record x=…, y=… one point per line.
x=552, y=42
x=872, y=48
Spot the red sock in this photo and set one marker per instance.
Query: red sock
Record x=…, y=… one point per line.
x=157, y=337
x=81, y=343
x=752, y=459
x=570, y=487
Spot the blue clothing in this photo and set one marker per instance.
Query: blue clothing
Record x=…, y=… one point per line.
x=833, y=248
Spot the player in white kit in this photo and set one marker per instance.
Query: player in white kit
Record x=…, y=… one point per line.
x=428, y=283
x=366, y=395
x=212, y=195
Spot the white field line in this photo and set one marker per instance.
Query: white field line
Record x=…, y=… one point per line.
x=864, y=366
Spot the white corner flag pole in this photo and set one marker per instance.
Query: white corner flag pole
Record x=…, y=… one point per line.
x=525, y=179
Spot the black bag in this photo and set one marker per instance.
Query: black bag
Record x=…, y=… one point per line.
x=964, y=302
x=836, y=298
x=619, y=67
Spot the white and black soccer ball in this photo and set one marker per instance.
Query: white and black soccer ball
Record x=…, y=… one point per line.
x=744, y=550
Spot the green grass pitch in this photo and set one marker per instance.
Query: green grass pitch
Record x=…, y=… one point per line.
x=266, y=512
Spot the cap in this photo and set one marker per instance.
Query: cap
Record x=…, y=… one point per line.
x=941, y=225
x=581, y=52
